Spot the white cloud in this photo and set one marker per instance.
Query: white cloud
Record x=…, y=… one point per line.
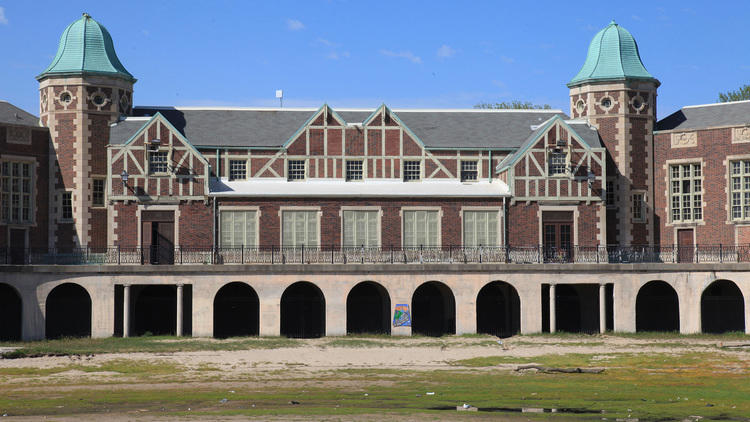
x=506, y=59
x=3, y=19
x=408, y=55
x=294, y=25
x=325, y=42
x=445, y=51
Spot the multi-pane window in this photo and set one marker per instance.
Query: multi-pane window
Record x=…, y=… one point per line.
x=296, y=170
x=238, y=228
x=157, y=162
x=557, y=161
x=66, y=205
x=610, y=198
x=16, y=191
x=97, y=192
x=361, y=228
x=469, y=171
x=299, y=228
x=740, y=189
x=686, y=192
x=412, y=170
x=638, y=207
x=237, y=169
x=421, y=228
x=480, y=228
x=354, y=170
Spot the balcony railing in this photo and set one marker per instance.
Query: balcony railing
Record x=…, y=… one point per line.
x=181, y=255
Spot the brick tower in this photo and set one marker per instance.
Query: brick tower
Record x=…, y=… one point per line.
x=80, y=94
x=616, y=94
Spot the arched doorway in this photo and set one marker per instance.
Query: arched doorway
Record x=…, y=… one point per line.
x=10, y=313
x=303, y=311
x=722, y=308
x=154, y=310
x=236, y=311
x=68, y=312
x=433, y=310
x=368, y=307
x=657, y=307
x=498, y=310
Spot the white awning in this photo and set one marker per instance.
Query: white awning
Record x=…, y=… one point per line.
x=369, y=188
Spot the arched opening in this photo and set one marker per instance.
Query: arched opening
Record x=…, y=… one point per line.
x=154, y=310
x=68, y=312
x=657, y=308
x=722, y=308
x=236, y=311
x=368, y=307
x=303, y=311
x=498, y=310
x=10, y=313
x=433, y=310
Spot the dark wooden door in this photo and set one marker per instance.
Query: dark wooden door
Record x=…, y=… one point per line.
x=557, y=236
x=17, y=246
x=685, y=246
x=157, y=237
x=163, y=237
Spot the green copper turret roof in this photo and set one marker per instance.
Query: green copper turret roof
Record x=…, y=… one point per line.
x=613, y=56
x=86, y=48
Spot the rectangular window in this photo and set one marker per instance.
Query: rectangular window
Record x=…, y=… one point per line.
x=740, y=189
x=299, y=228
x=237, y=169
x=686, y=192
x=361, y=228
x=16, y=190
x=66, y=204
x=296, y=170
x=412, y=170
x=610, y=198
x=97, y=192
x=157, y=162
x=557, y=161
x=238, y=228
x=638, y=207
x=421, y=228
x=480, y=228
x=354, y=170
x=469, y=171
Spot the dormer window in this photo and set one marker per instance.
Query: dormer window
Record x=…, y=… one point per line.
x=557, y=162
x=157, y=162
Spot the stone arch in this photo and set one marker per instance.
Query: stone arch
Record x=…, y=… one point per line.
x=433, y=310
x=236, y=311
x=368, y=309
x=657, y=307
x=154, y=309
x=68, y=312
x=722, y=308
x=303, y=311
x=11, y=313
x=498, y=309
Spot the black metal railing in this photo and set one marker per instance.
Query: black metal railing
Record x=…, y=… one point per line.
x=156, y=255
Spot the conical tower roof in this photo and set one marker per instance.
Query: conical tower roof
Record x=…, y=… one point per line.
x=86, y=48
x=613, y=56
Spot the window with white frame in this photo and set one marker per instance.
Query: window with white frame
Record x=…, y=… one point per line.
x=16, y=190
x=299, y=228
x=296, y=170
x=157, y=162
x=557, y=163
x=66, y=205
x=469, y=171
x=740, y=189
x=354, y=170
x=412, y=170
x=421, y=228
x=97, y=192
x=361, y=228
x=686, y=192
x=638, y=207
x=238, y=228
x=237, y=169
x=480, y=228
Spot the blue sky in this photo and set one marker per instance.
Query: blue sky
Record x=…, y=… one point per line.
x=360, y=54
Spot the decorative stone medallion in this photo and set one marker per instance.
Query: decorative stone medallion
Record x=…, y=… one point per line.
x=741, y=134
x=684, y=140
x=19, y=135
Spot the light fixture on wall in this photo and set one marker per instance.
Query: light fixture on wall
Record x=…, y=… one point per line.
x=124, y=176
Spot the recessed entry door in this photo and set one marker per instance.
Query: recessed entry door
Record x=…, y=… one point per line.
x=17, y=246
x=685, y=245
x=557, y=235
x=157, y=236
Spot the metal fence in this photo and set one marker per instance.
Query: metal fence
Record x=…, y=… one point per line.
x=181, y=255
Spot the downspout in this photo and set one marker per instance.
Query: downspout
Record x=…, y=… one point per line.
x=213, y=220
x=489, y=173
x=505, y=223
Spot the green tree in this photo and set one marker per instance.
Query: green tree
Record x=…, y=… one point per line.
x=515, y=105
x=743, y=93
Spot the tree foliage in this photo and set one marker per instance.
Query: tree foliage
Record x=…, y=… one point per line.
x=741, y=94
x=514, y=105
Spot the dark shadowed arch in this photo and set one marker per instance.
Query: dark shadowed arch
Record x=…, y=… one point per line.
x=368, y=308
x=236, y=311
x=433, y=310
x=154, y=310
x=657, y=307
x=722, y=308
x=10, y=313
x=303, y=311
x=498, y=310
x=68, y=312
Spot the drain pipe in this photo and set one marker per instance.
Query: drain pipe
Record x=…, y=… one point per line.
x=505, y=224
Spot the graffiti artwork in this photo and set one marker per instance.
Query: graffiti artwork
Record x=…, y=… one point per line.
x=401, y=316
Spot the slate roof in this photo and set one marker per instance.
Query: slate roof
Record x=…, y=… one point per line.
x=12, y=115
x=709, y=115
x=271, y=128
